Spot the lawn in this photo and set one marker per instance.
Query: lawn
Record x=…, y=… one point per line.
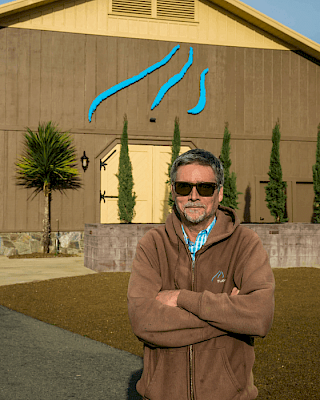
x=287, y=360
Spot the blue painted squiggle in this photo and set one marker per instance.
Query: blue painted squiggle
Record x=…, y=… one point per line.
x=128, y=82
x=172, y=81
x=202, y=98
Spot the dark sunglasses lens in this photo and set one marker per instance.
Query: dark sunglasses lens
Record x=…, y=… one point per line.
x=206, y=189
x=183, y=188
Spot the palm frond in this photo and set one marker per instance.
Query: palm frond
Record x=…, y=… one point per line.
x=49, y=156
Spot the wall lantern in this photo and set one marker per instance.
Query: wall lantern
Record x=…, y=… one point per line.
x=84, y=161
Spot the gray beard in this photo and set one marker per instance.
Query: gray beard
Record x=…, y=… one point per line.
x=195, y=220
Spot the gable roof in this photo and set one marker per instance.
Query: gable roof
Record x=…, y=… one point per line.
x=299, y=43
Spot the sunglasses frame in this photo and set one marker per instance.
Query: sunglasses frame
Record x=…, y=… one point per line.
x=214, y=184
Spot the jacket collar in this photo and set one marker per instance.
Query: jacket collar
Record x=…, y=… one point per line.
x=227, y=222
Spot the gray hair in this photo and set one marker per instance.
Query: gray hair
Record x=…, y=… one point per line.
x=201, y=157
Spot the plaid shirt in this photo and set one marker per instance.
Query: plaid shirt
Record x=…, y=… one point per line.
x=200, y=240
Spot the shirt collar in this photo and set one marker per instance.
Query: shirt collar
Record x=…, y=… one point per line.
x=203, y=232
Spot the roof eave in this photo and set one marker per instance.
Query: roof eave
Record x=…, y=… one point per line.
x=295, y=40
x=21, y=5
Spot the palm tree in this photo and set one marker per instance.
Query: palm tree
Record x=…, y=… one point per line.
x=48, y=163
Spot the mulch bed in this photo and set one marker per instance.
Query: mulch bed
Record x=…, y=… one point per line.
x=287, y=360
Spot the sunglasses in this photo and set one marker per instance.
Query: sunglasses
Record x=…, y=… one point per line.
x=205, y=189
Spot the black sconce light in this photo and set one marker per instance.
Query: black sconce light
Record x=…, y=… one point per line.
x=152, y=120
x=84, y=161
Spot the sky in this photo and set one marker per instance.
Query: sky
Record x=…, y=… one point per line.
x=300, y=15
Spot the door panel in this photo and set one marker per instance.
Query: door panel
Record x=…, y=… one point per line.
x=161, y=160
x=149, y=170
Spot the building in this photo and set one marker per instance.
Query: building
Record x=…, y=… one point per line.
x=59, y=60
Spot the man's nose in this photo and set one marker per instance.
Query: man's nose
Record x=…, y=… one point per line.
x=194, y=195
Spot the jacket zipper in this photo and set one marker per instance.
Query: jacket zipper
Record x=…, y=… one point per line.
x=191, y=346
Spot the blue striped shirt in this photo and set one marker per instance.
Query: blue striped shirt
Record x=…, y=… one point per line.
x=200, y=240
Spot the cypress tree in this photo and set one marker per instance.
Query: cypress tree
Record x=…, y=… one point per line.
x=276, y=188
x=316, y=183
x=230, y=193
x=175, y=150
x=126, y=196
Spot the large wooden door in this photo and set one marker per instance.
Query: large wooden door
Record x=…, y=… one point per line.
x=149, y=169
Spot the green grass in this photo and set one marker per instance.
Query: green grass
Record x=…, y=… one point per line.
x=287, y=360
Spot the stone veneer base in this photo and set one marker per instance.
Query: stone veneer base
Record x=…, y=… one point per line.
x=31, y=242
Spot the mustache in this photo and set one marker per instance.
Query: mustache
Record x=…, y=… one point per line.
x=192, y=204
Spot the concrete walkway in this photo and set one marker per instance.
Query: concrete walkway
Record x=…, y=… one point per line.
x=43, y=362
x=20, y=270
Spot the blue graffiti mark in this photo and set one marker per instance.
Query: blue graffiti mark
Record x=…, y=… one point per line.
x=219, y=274
x=202, y=98
x=172, y=81
x=128, y=82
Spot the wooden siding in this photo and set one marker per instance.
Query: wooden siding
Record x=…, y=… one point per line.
x=55, y=76
x=210, y=25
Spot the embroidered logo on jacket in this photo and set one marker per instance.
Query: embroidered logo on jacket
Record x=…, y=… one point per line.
x=218, y=275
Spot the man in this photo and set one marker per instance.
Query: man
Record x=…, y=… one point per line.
x=201, y=288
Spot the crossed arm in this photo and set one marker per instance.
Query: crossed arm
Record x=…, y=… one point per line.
x=175, y=318
x=170, y=297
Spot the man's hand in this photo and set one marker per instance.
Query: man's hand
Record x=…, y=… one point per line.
x=234, y=292
x=168, y=297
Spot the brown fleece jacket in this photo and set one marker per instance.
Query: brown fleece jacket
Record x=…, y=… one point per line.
x=205, y=345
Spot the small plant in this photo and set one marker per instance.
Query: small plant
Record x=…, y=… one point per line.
x=230, y=193
x=48, y=163
x=276, y=188
x=316, y=183
x=175, y=150
x=126, y=196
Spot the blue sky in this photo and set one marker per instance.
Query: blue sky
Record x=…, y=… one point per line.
x=301, y=16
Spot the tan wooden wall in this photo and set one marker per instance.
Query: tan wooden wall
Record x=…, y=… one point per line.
x=55, y=76
x=210, y=24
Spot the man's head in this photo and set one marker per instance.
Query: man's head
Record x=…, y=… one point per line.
x=197, y=204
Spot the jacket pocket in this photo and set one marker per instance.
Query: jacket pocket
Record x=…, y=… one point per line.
x=214, y=378
x=170, y=378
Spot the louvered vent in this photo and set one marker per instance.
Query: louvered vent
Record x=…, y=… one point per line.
x=135, y=7
x=180, y=9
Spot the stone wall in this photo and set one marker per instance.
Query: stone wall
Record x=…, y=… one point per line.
x=31, y=242
x=290, y=244
x=111, y=247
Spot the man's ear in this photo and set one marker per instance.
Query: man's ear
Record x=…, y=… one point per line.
x=172, y=192
x=220, y=194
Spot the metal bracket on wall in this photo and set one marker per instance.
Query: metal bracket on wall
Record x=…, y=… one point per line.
x=104, y=163
x=104, y=197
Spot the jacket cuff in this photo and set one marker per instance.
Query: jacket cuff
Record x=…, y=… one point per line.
x=190, y=301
